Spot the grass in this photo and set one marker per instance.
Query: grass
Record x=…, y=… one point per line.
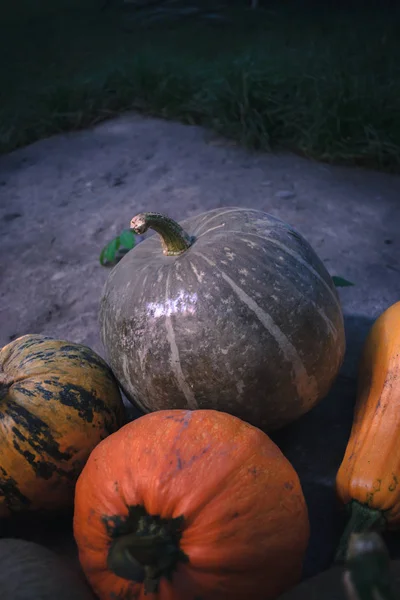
x=325, y=84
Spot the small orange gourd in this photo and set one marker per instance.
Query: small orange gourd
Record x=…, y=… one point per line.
x=368, y=480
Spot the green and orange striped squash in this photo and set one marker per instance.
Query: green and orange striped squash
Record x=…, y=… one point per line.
x=234, y=311
x=58, y=400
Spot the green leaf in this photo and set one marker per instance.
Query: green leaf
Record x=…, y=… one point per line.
x=101, y=258
x=127, y=239
x=341, y=282
x=109, y=252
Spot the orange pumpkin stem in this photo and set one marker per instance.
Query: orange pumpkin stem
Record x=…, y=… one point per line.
x=148, y=551
x=367, y=574
x=362, y=519
x=174, y=239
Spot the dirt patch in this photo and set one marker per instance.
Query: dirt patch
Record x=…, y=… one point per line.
x=63, y=198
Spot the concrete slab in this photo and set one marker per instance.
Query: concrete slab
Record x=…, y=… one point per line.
x=63, y=198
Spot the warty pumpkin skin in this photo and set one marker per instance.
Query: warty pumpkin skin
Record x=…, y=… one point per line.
x=368, y=480
x=57, y=401
x=232, y=311
x=29, y=571
x=188, y=505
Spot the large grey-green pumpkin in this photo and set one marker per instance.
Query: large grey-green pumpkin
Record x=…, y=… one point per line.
x=233, y=310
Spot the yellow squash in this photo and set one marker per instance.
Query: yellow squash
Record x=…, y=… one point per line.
x=368, y=480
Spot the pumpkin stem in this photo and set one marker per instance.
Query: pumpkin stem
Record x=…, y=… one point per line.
x=149, y=551
x=367, y=575
x=362, y=519
x=174, y=239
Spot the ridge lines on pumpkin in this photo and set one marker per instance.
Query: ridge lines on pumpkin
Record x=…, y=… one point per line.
x=296, y=257
x=199, y=274
x=305, y=384
x=209, y=230
x=175, y=360
x=143, y=284
x=220, y=214
x=290, y=283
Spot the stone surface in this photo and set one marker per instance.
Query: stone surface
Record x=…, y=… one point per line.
x=63, y=198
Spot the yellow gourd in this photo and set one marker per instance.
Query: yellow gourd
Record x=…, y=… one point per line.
x=368, y=480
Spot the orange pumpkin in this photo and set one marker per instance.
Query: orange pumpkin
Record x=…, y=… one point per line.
x=57, y=401
x=186, y=505
x=368, y=480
